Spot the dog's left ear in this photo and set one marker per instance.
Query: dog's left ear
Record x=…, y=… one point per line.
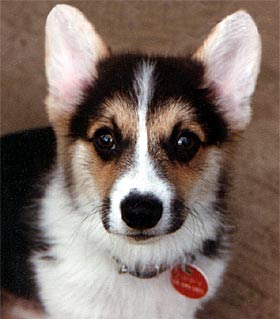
x=231, y=55
x=73, y=50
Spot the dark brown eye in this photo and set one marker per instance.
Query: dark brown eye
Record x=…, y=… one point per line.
x=104, y=140
x=187, y=145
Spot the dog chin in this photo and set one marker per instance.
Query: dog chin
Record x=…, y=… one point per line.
x=142, y=239
x=137, y=238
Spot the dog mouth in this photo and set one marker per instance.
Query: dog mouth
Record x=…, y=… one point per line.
x=138, y=238
x=141, y=237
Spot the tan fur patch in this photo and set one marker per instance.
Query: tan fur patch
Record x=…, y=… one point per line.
x=161, y=123
x=160, y=126
x=184, y=177
x=105, y=173
x=119, y=110
x=92, y=167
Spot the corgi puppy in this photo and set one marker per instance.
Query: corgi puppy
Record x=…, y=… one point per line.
x=128, y=211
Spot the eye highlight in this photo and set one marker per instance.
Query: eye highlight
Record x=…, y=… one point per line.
x=182, y=145
x=186, y=142
x=105, y=143
x=186, y=146
x=104, y=140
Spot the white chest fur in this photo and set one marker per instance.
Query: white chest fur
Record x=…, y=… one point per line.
x=88, y=290
x=82, y=280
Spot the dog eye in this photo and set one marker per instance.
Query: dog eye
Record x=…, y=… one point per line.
x=185, y=142
x=104, y=140
x=187, y=145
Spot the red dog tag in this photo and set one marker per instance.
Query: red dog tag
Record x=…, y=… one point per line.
x=190, y=282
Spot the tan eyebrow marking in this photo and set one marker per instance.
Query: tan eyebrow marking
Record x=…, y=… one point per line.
x=162, y=122
x=120, y=110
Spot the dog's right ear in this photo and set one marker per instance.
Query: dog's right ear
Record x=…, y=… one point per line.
x=73, y=50
x=231, y=55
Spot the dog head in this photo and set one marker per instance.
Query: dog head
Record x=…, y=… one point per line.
x=142, y=140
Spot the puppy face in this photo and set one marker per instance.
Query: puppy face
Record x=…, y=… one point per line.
x=141, y=139
x=145, y=140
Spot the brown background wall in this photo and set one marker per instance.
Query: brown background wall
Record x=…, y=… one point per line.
x=251, y=285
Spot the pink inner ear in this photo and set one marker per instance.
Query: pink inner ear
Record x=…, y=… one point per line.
x=70, y=88
x=235, y=111
x=69, y=74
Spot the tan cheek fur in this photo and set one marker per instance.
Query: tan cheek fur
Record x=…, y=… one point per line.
x=182, y=176
x=185, y=177
x=83, y=163
x=91, y=168
x=103, y=174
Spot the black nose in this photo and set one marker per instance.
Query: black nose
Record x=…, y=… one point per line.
x=141, y=211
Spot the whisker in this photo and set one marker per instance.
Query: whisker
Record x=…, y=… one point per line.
x=77, y=230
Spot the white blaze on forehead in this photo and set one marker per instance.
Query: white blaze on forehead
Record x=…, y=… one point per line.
x=142, y=177
x=144, y=89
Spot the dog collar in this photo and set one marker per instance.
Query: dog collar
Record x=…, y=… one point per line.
x=150, y=272
x=187, y=279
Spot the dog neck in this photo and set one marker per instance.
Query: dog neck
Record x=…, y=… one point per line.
x=148, y=272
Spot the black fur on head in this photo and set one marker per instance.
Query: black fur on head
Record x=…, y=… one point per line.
x=177, y=78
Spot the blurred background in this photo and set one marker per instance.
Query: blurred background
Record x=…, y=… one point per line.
x=251, y=286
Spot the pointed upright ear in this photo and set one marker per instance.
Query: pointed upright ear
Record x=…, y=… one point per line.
x=231, y=55
x=73, y=50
